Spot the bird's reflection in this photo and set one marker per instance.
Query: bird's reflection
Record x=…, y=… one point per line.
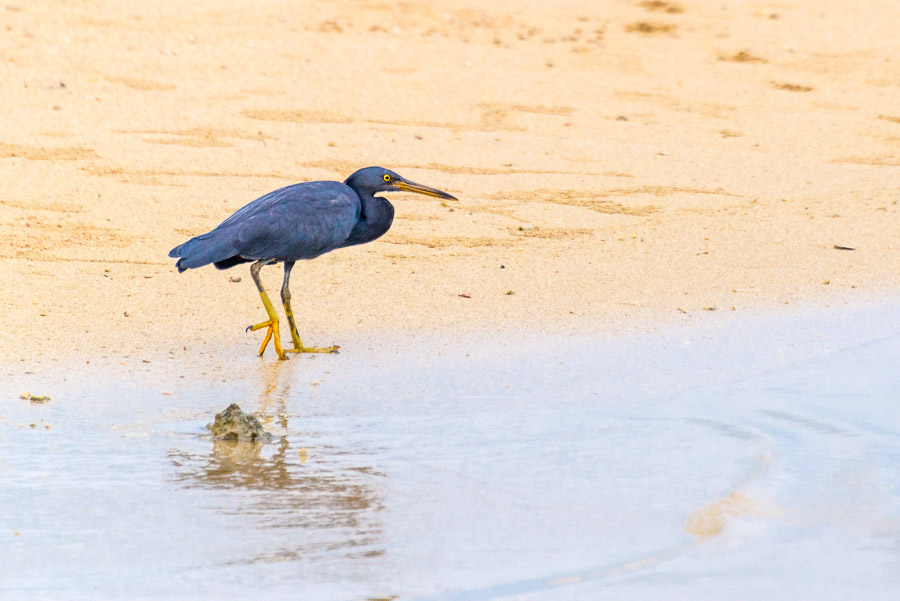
x=331, y=502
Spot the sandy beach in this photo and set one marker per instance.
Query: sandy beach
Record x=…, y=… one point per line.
x=618, y=164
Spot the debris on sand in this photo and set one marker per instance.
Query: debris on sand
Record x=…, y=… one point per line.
x=36, y=399
x=742, y=57
x=651, y=28
x=791, y=87
x=233, y=425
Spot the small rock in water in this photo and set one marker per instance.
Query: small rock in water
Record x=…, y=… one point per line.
x=234, y=425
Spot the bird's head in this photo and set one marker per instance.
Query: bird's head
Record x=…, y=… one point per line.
x=371, y=180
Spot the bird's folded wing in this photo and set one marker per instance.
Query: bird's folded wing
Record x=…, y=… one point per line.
x=296, y=226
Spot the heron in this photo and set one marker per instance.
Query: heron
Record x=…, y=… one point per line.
x=299, y=222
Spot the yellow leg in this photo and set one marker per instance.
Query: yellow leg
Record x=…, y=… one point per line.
x=272, y=323
x=295, y=337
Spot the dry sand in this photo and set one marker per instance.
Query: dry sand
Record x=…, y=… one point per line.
x=618, y=163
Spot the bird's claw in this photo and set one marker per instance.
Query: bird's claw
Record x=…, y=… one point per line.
x=272, y=326
x=311, y=349
x=259, y=326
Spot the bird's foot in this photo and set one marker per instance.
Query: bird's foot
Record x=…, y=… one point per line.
x=271, y=332
x=312, y=349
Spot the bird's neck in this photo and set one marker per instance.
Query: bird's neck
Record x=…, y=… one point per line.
x=377, y=214
x=375, y=218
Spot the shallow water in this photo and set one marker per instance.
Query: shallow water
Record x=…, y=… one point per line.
x=744, y=460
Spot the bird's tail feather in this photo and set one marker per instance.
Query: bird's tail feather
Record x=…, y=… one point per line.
x=203, y=250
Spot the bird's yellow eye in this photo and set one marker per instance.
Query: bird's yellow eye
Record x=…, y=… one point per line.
x=387, y=177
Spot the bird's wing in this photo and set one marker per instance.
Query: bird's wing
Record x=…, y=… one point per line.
x=301, y=221
x=265, y=202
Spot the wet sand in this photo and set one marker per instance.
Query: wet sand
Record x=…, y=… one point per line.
x=618, y=165
x=752, y=459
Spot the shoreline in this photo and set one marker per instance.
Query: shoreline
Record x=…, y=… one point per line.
x=167, y=369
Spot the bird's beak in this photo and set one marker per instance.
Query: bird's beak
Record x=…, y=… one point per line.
x=408, y=186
